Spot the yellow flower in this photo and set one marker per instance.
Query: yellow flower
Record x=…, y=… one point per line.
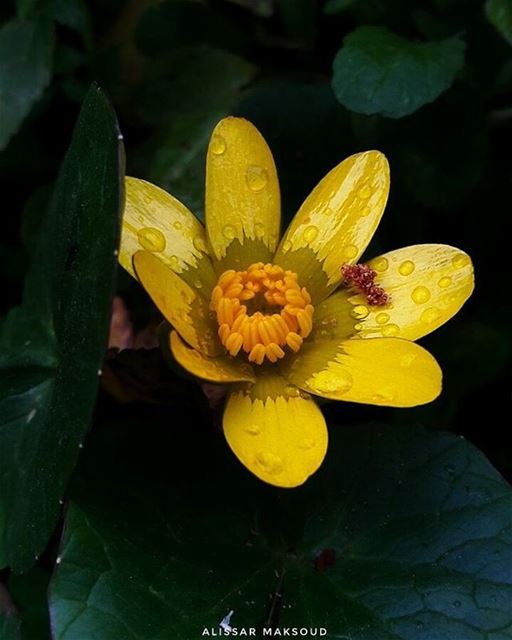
x=274, y=317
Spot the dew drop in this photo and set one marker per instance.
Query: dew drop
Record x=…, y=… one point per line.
x=252, y=429
x=360, y=312
x=406, y=268
x=350, y=251
x=379, y=264
x=384, y=396
x=151, y=239
x=420, y=295
x=364, y=192
x=217, y=145
x=174, y=261
x=310, y=234
x=430, y=315
x=382, y=318
x=307, y=443
x=177, y=225
x=287, y=246
x=259, y=229
x=327, y=211
x=329, y=381
x=271, y=462
x=444, y=282
x=365, y=211
x=292, y=391
x=359, y=327
x=199, y=244
x=256, y=177
x=229, y=232
x=456, y=603
x=198, y=284
x=389, y=330
x=460, y=260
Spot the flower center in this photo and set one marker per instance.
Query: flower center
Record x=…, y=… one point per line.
x=246, y=304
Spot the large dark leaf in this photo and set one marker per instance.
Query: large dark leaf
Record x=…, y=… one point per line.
x=402, y=534
x=52, y=347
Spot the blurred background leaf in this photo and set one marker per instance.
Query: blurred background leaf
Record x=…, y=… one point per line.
x=378, y=72
x=26, y=49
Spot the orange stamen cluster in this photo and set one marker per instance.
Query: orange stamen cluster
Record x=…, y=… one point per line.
x=262, y=334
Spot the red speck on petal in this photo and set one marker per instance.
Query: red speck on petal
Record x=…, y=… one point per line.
x=362, y=277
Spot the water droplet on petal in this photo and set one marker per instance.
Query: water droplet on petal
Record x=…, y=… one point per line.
x=217, y=145
x=177, y=225
x=331, y=381
x=198, y=284
x=259, y=229
x=420, y=295
x=310, y=234
x=174, y=261
x=379, y=264
x=364, y=192
x=444, y=282
x=271, y=462
x=406, y=268
x=307, y=443
x=350, y=251
x=389, y=330
x=360, y=312
x=252, y=429
x=151, y=239
x=383, y=396
x=287, y=246
x=199, y=244
x=382, y=318
x=327, y=211
x=430, y=315
x=365, y=211
x=292, y=391
x=256, y=178
x=460, y=260
x=229, y=232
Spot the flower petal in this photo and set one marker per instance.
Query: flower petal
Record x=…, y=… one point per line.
x=428, y=284
x=383, y=371
x=336, y=222
x=182, y=307
x=155, y=221
x=242, y=195
x=219, y=369
x=275, y=432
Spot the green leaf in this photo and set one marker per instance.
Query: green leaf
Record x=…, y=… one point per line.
x=332, y=7
x=189, y=93
x=403, y=534
x=26, y=49
x=52, y=347
x=9, y=627
x=378, y=72
x=499, y=14
x=29, y=593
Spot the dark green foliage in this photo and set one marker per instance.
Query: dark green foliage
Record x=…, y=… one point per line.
x=403, y=533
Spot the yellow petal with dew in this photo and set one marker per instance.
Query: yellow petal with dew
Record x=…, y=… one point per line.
x=180, y=304
x=336, y=222
x=383, y=371
x=242, y=195
x=155, y=221
x=427, y=283
x=276, y=431
x=220, y=369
